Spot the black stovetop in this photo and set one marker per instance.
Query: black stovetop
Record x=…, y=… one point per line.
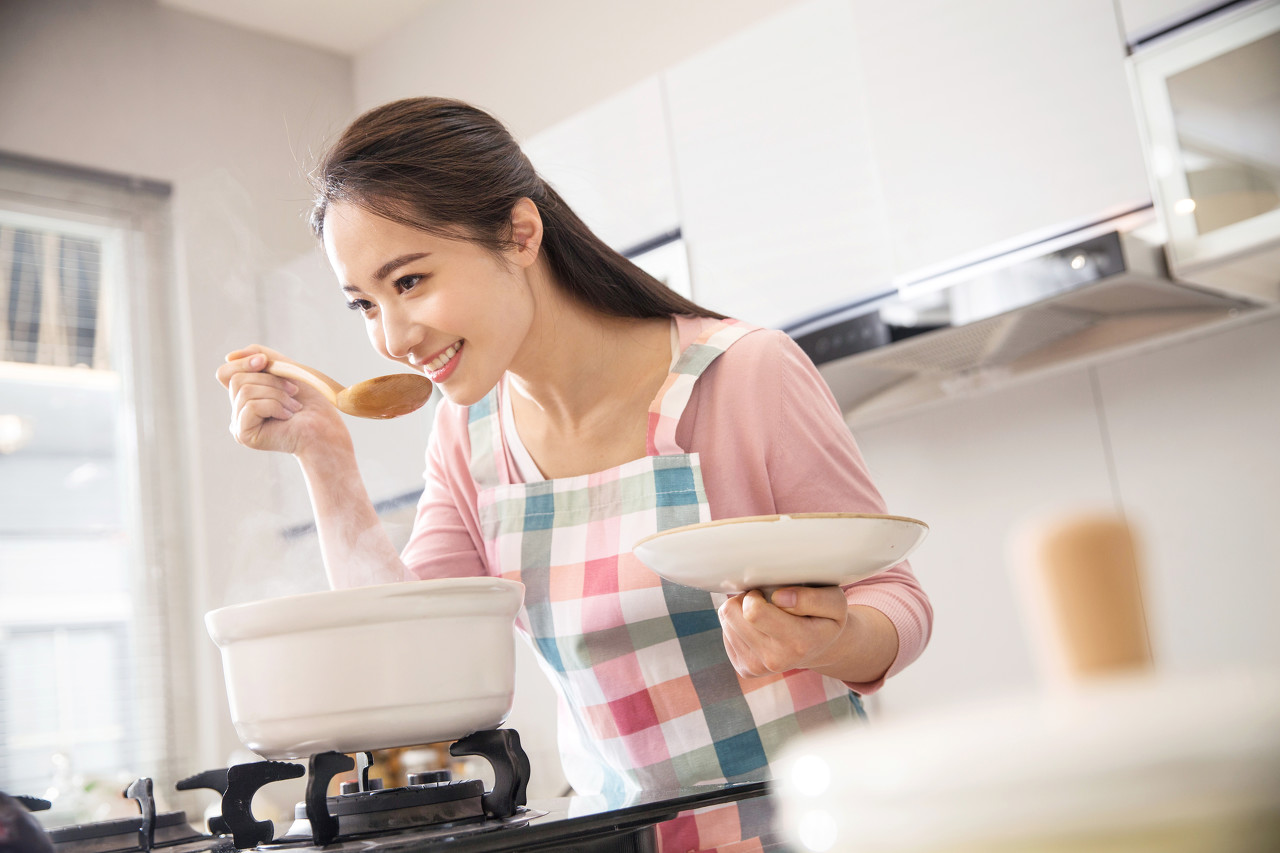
x=572, y=824
x=431, y=813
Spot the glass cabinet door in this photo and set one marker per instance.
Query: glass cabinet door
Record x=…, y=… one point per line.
x=1210, y=99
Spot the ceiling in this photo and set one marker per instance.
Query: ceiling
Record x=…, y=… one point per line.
x=337, y=25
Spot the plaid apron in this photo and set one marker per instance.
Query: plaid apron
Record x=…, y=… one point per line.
x=649, y=699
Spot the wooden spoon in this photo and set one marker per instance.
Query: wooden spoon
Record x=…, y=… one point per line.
x=382, y=397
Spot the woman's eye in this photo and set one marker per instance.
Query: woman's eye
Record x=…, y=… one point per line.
x=361, y=305
x=407, y=282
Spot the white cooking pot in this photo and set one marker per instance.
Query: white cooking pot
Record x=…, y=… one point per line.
x=369, y=668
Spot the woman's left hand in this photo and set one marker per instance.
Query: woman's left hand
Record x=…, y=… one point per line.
x=799, y=629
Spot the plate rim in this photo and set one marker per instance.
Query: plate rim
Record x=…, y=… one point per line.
x=719, y=522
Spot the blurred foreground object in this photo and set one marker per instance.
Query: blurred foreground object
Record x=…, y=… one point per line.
x=1133, y=765
x=1114, y=759
x=20, y=832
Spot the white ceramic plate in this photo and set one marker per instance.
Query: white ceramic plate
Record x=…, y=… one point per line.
x=768, y=551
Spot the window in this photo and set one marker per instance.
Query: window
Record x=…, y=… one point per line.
x=90, y=538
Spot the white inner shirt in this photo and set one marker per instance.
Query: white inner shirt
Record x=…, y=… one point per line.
x=526, y=468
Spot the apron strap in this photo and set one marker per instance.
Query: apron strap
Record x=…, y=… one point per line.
x=666, y=409
x=488, y=467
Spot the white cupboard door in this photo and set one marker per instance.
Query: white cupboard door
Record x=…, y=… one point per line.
x=612, y=164
x=781, y=207
x=1210, y=97
x=997, y=120
x=1142, y=19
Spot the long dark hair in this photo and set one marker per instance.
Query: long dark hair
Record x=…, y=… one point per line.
x=450, y=169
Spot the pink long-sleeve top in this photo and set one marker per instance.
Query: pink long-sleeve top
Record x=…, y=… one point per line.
x=771, y=440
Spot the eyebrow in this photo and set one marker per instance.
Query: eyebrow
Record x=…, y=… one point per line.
x=395, y=263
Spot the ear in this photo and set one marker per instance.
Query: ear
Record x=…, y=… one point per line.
x=526, y=232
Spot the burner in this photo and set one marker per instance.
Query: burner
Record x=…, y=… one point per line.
x=364, y=807
x=390, y=809
x=431, y=812
x=431, y=805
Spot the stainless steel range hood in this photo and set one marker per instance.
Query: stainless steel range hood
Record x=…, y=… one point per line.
x=1056, y=303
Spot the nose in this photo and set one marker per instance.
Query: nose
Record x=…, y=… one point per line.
x=400, y=334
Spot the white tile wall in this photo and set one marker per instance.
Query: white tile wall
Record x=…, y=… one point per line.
x=973, y=469
x=1194, y=462
x=1195, y=431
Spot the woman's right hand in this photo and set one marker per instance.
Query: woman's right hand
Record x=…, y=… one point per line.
x=271, y=413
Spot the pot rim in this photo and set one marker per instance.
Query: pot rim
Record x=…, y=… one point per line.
x=377, y=604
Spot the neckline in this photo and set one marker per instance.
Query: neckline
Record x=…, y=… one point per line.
x=519, y=458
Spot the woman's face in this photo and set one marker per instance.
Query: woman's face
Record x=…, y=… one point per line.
x=447, y=308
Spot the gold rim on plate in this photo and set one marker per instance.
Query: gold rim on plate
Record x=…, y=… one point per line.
x=756, y=518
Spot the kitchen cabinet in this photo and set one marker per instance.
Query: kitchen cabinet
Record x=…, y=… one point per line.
x=1210, y=105
x=612, y=164
x=832, y=151
x=996, y=121
x=1142, y=19
x=780, y=204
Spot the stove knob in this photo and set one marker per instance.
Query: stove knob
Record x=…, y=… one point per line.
x=430, y=777
x=375, y=784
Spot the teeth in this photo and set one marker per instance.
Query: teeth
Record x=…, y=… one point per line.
x=444, y=358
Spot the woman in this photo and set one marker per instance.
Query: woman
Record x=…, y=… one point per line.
x=585, y=407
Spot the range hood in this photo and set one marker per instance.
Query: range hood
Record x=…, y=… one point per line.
x=1055, y=303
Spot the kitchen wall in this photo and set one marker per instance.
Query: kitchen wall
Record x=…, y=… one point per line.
x=1181, y=438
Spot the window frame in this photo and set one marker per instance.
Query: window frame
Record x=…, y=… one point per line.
x=133, y=217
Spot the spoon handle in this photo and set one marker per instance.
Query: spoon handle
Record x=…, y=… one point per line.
x=301, y=373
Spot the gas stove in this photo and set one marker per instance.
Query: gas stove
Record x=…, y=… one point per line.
x=432, y=811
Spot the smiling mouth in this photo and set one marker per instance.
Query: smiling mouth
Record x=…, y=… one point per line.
x=437, y=364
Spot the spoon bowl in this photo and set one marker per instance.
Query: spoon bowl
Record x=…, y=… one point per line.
x=381, y=397
x=387, y=396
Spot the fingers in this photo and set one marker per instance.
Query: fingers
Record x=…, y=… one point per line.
x=736, y=644
x=826, y=602
x=255, y=405
x=260, y=393
x=743, y=642
x=253, y=349
x=247, y=423
x=263, y=406
x=750, y=619
x=246, y=359
x=243, y=362
x=256, y=397
x=248, y=386
x=243, y=370
x=762, y=638
x=776, y=615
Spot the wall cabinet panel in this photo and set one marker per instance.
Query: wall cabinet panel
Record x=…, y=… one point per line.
x=1143, y=18
x=780, y=200
x=612, y=164
x=996, y=119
